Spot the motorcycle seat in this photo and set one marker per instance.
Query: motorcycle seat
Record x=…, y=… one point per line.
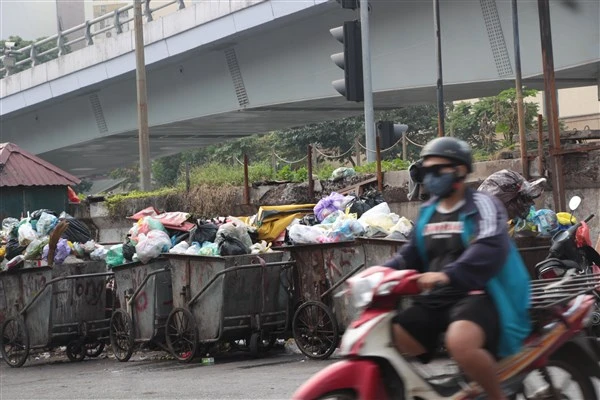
x=554, y=268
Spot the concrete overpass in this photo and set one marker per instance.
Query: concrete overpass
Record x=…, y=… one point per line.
x=216, y=72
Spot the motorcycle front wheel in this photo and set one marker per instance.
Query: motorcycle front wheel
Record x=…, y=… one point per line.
x=339, y=395
x=569, y=382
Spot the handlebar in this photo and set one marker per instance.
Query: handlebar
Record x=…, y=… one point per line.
x=589, y=218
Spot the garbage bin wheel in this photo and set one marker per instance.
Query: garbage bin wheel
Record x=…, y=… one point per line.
x=121, y=335
x=94, y=349
x=15, y=342
x=76, y=350
x=182, y=337
x=258, y=345
x=315, y=330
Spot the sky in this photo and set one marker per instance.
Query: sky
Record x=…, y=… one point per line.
x=28, y=19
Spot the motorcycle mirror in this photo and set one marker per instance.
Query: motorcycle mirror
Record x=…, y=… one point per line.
x=574, y=203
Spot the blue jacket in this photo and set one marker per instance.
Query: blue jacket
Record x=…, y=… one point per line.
x=490, y=261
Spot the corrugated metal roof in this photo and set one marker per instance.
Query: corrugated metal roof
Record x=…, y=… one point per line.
x=20, y=168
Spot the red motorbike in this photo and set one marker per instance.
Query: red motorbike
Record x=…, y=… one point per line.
x=373, y=369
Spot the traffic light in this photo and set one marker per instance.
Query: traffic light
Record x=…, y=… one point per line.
x=349, y=4
x=351, y=87
x=389, y=133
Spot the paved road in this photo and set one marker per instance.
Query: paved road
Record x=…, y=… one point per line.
x=147, y=376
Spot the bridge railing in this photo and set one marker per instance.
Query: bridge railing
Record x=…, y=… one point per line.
x=38, y=52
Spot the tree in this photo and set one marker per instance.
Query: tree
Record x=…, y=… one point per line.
x=481, y=122
x=21, y=43
x=165, y=170
x=131, y=175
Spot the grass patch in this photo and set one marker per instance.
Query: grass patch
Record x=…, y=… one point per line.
x=118, y=204
x=396, y=164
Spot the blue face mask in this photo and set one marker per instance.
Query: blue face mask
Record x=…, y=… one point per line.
x=440, y=185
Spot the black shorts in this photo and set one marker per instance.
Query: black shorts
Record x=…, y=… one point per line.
x=426, y=324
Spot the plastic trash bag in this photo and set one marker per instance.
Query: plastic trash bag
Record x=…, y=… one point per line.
x=46, y=224
x=147, y=224
x=304, y=234
x=38, y=213
x=114, y=256
x=35, y=249
x=150, y=246
x=77, y=231
x=89, y=246
x=77, y=250
x=379, y=220
x=16, y=262
x=13, y=249
x=194, y=249
x=99, y=254
x=546, y=222
x=209, y=249
x=128, y=250
x=345, y=231
x=329, y=204
x=180, y=248
x=232, y=246
x=342, y=172
x=262, y=247
x=204, y=232
x=234, y=229
x=62, y=251
x=402, y=229
x=26, y=234
x=9, y=225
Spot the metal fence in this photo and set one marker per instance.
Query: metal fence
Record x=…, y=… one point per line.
x=115, y=21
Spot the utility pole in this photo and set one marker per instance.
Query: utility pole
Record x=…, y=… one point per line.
x=368, y=88
x=551, y=102
x=142, y=100
x=519, y=89
x=440, y=80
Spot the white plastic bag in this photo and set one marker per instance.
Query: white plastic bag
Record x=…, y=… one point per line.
x=262, y=247
x=304, y=234
x=26, y=234
x=194, y=249
x=150, y=246
x=99, y=254
x=403, y=226
x=180, y=248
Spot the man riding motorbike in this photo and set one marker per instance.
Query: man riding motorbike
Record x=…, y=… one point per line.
x=478, y=284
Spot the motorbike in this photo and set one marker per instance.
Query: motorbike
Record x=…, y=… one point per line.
x=373, y=369
x=572, y=252
x=571, y=249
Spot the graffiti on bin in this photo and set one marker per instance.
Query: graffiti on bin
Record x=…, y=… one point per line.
x=68, y=294
x=137, y=278
x=339, y=262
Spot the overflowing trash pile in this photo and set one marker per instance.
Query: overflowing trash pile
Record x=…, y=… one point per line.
x=45, y=236
x=334, y=218
x=339, y=218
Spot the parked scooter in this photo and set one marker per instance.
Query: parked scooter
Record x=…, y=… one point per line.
x=373, y=369
x=571, y=250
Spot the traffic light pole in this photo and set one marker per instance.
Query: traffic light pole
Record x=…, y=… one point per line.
x=440, y=79
x=368, y=89
x=142, y=101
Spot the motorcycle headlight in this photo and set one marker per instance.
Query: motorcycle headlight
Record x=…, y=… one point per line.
x=361, y=290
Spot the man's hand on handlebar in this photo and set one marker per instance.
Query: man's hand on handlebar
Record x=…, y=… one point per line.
x=431, y=280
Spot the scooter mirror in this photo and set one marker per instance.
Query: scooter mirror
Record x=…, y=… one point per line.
x=574, y=203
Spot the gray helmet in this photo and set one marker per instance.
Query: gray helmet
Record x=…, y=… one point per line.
x=451, y=148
